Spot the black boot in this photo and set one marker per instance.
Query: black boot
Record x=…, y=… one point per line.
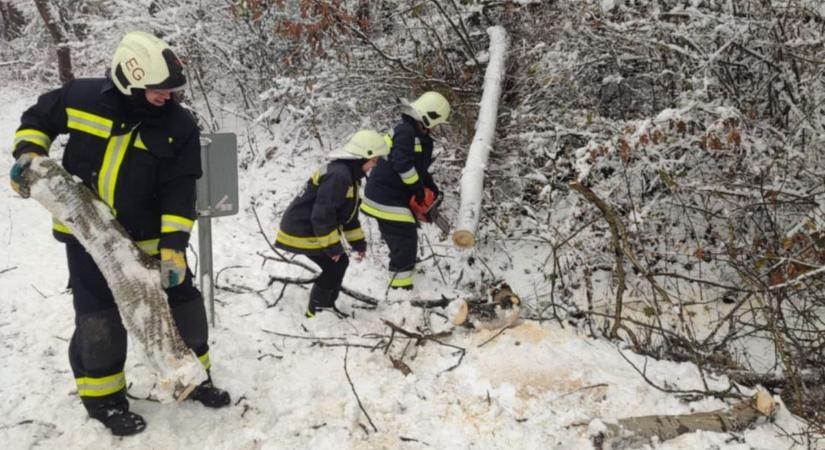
x=321, y=299
x=118, y=419
x=209, y=395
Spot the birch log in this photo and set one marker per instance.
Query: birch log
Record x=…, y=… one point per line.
x=132, y=275
x=472, y=177
x=636, y=432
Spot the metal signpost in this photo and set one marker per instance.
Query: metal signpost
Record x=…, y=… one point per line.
x=217, y=192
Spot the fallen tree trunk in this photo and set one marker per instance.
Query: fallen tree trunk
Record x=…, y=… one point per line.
x=472, y=177
x=132, y=275
x=635, y=432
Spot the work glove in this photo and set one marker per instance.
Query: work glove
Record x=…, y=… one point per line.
x=18, y=181
x=172, y=267
x=420, y=208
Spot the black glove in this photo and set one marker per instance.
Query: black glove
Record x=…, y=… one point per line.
x=420, y=195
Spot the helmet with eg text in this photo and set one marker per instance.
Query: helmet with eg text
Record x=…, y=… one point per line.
x=432, y=109
x=364, y=144
x=143, y=61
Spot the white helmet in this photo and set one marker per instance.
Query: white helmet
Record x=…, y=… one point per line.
x=143, y=61
x=432, y=109
x=364, y=144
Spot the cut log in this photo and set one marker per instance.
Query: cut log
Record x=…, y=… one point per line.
x=635, y=432
x=132, y=275
x=502, y=309
x=472, y=177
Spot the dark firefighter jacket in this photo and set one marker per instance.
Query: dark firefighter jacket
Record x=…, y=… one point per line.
x=327, y=208
x=141, y=163
x=395, y=180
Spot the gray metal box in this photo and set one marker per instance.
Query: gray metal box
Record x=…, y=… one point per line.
x=217, y=189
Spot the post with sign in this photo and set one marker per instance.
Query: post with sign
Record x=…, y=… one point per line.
x=217, y=192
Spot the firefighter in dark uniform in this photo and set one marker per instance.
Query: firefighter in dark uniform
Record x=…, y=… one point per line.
x=326, y=209
x=139, y=150
x=404, y=178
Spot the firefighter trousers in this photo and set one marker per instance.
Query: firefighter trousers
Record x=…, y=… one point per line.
x=402, y=240
x=97, y=351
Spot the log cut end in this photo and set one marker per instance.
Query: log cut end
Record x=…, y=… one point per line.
x=464, y=239
x=457, y=311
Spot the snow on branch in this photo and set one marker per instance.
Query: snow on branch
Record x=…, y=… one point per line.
x=472, y=178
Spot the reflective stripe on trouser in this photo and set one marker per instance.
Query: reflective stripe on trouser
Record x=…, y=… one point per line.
x=102, y=386
x=402, y=240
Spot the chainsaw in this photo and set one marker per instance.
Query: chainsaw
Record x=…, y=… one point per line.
x=431, y=212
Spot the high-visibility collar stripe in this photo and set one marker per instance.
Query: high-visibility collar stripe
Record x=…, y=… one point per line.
x=170, y=223
x=149, y=246
x=402, y=279
x=112, y=160
x=99, y=387
x=205, y=362
x=354, y=235
x=309, y=243
x=34, y=136
x=388, y=140
x=410, y=176
x=386, y=212
x=88, y=123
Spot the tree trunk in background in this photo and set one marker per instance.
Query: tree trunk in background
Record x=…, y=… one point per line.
x=11, y=21
x=132, y=275
x=64, y=57
x=472, y=177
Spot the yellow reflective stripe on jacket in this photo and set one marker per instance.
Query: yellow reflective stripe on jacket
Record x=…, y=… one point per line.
x=402, y=279
x=417, y=148
x=149, y=246
x=58, y=226
x=139, y=143
x=410, y=176
x=88, y=123
x=350, y=192
x=354, y=235
x=36, y=137
x=386, y=212
x=99, y=387
x=309, y=243
x=316, y=177
x=205, y=362
x=112, y=160
x=170, y=223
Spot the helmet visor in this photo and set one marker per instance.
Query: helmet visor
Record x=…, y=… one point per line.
x=176, y=81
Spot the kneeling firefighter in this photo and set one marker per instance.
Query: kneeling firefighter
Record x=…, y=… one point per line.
x=132, y=144
x=325, y=210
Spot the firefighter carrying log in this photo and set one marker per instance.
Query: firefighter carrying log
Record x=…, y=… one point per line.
x=326, y=210
x=132, y=144
x=400, y=190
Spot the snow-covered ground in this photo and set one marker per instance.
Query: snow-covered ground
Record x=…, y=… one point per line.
x=535, y=386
